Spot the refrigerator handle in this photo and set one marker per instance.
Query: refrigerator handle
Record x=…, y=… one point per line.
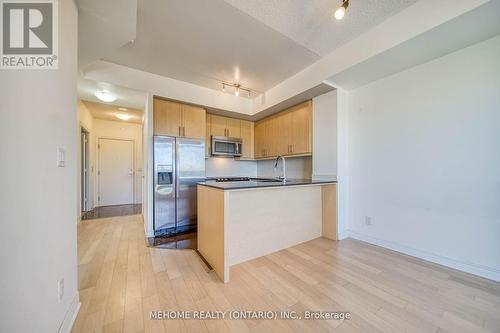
x=177, y=182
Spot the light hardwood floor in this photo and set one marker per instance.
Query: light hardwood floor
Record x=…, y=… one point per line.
x=121, y=281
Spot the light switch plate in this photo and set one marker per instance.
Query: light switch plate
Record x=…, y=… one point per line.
x=61, y=157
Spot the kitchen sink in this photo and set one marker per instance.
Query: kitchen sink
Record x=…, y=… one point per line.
x=266, y=180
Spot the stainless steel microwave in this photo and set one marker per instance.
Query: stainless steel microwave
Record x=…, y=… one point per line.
x=224, y=146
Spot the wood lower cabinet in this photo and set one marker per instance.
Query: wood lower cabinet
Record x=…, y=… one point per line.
x=178, y=119
x=286, y=133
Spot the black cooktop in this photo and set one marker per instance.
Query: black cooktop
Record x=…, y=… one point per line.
x=232, y=179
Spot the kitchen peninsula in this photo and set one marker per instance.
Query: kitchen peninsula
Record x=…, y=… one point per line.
x=240, y=221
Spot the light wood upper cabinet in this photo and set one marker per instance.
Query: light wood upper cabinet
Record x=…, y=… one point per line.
x=225, y=126
x=286, y=133
x=167, y=117
x=301, y=138
x=208, y=143
x=218, y=125
x=178, y=119
x=193, y=122
x=233, y=128
x=247, y=136
x=259, y=139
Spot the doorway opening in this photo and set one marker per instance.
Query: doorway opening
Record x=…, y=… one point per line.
x=116, y=172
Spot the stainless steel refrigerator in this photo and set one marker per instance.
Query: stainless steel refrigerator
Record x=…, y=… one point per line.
x=179, y=163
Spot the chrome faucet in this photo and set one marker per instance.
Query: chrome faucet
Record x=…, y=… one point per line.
x=283, y=165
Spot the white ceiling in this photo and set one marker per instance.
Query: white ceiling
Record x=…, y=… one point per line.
x=109, y=112
x=203, y=42
x=128, y=98
x=311, y=24
x=256, y=43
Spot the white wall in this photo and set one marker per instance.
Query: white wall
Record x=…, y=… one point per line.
x=85, y=121
x=324, y=159
x=424, y=157
x=296, y=167
x=37, y=198
x=229, y=167
x=123, y=130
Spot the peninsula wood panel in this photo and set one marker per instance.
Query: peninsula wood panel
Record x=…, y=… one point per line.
x=211, y=229
x=329, y=211
x=167, y=117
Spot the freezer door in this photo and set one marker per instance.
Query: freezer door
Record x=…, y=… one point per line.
x=164, y=183
x=191, y=169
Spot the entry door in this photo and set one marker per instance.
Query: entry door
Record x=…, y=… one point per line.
x=116, y=172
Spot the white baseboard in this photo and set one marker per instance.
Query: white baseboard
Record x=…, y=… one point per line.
x=479, y=270
x=70, y=317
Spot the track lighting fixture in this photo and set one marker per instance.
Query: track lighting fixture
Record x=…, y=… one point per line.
x=340, y=12
x=237, y=88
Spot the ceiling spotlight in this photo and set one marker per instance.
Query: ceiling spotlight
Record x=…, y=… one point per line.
x=123, y=109
x=223, y=87
x=105, y=96
x=340, y=12
x=123, y=116
x=237, y=91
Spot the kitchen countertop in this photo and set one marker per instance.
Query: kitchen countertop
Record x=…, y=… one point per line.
x=262, y=183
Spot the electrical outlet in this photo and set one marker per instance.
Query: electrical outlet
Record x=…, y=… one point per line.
x=368, y=220
x=60, y=290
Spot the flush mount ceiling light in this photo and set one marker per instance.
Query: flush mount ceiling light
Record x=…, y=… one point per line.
x=340, y=12
x=105, y=96
x=123, y=116
x=237, y=88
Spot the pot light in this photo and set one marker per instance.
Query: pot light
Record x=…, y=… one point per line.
x=237, y=91
x=340, y=12
x=123, y=116
x=123, y=109
x=105, y=96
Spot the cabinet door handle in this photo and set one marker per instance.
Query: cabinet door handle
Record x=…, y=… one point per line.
x=183, y=131
x=179, y=131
